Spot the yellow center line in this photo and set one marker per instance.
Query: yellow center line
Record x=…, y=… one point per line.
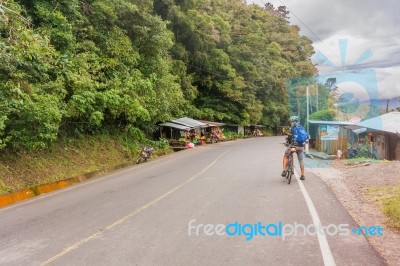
x=122, y=220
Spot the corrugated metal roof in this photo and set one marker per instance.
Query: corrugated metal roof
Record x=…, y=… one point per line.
x=254, y=126
x=212, y=124
x=389, y=122
x=359, y=130
x=320, y=122
x=173, y=125
x=186, y=121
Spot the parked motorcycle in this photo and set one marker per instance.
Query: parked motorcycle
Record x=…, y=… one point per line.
x=144, y=154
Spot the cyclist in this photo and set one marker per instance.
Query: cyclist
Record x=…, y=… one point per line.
x=292, y=136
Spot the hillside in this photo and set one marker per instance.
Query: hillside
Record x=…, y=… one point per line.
x=89, y=67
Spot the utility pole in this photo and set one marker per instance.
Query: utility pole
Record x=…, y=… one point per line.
x=308, y=103
x=387, y=106
x=298, y=108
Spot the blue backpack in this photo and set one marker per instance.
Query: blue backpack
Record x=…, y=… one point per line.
x=300, y=134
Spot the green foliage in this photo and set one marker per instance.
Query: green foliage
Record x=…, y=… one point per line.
x=324, y=115
x=88, y=67
x=30, y=91
x=319, y=97
x=362, y=150
x=135, y=134
x=230, y=135
x=162, y=144
x=33, y=122
x=391, y=207
x=239, y=56
x=389, y=201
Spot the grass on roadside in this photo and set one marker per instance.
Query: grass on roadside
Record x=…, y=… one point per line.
x=364, y=160
x=68, y=158
x=389, y=201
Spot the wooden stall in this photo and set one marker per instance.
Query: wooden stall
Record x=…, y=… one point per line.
x=329, y=136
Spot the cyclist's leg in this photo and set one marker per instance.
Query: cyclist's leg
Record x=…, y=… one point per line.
x=285, y=160
x=300, y=157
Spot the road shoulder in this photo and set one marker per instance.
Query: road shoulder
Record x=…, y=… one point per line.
x=350, y=184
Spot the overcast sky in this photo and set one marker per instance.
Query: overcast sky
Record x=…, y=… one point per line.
x=366, y=24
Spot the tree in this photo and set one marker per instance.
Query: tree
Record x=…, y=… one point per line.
x=93, y=66
x=324, y=115
x=30, y=91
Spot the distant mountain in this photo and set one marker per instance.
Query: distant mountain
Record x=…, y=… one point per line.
x=381, y=103
x=351, y=109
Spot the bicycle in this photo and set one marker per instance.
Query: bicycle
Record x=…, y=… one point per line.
x=289, y=167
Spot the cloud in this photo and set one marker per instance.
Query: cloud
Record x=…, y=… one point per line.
x=388, y=82
x=367, y=24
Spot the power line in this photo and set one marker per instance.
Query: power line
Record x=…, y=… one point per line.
x=308, y=28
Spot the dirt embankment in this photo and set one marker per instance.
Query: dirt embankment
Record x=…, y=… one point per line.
x=353, y=183
x=65, y=159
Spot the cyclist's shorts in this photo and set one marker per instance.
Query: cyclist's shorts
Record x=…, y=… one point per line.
x=299, y=151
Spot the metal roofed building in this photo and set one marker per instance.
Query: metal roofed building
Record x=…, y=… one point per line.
x=174, y=125
x=186, y=121
x=328, y=136
x=212, y=124
x=382, y=133
x=341, y=123
x=389, y=122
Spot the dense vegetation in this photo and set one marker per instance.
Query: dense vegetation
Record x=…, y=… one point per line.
x=94, y=66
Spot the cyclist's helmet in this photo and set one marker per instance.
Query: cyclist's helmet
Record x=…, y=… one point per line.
x=294, y=119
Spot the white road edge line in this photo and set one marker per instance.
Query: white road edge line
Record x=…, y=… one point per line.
x=122, y=220
x=323, y=242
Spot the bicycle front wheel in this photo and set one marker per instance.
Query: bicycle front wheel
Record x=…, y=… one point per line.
x=291, y=170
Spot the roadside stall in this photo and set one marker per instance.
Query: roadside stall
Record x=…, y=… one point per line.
x=196, y=130
x=253, y=130
x=182, y=132
x=213, y=133
x=174, y=133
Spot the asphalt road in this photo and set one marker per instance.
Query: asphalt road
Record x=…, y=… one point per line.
x=156, y=214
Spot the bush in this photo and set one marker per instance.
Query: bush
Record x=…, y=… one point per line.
x=360, y=151
x=32, y=123
x=324, y=115
x=230, y=135
x=162, y=144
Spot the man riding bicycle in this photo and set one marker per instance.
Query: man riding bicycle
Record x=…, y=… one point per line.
x=293, y=140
